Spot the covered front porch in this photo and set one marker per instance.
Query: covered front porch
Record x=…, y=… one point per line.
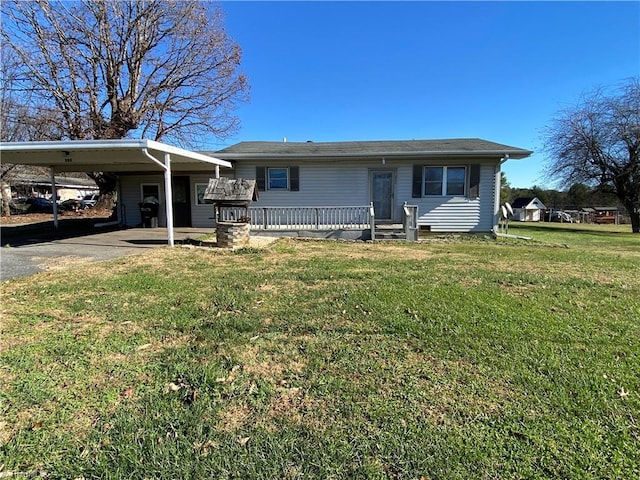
x=324, y=221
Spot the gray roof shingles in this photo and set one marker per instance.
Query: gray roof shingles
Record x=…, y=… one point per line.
x=458, y=146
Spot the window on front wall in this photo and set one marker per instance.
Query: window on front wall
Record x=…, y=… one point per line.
x=149, y=190
x=278, y=178
x=200, y=190
x=439, y=181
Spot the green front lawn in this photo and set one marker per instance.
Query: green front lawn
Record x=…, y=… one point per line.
x=453, y=358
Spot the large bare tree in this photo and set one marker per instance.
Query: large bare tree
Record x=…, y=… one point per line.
x=19, y=121
x=100, y=69
x=597, y=143
x=158, y=69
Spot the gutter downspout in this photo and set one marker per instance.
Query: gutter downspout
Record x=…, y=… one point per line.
x=168, y=194
x=496, y=196
x=54, y=194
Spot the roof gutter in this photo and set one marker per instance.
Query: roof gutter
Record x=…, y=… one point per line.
x=110, y=144
x=398, y=155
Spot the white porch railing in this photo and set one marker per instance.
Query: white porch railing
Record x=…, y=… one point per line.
x=302, y=218
x=318, y=218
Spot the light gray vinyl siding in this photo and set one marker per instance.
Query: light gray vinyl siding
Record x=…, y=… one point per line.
x=457, y=214
x=201, y=215
x=130, y=191
x=130, y=197
x=347, y=184
x=326, y=184
x=344, y=183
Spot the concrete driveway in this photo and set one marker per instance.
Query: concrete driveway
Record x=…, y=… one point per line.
x=23, y=255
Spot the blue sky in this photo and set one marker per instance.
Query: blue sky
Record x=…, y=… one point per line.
x=339, y=71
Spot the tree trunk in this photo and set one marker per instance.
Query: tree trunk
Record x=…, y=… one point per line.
x=635, y=219
x=6, y=199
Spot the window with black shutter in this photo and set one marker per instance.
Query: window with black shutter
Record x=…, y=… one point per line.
x=294, y=179
x=416, y=191
x=261, y=178
x=474, y=181
x=278, y=178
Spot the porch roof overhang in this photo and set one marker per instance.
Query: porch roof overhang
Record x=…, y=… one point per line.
x=116, y=156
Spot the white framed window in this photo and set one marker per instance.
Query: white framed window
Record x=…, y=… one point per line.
x=149, y=190
x=277, y=178
x=444, y=181
x=199, y=190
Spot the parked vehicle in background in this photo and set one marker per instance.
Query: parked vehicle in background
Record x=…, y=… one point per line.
x=560, y=217
x=71, y=205
x=39, y=205
x=89, y=201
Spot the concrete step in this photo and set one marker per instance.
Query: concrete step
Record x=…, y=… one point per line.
x=390, y=235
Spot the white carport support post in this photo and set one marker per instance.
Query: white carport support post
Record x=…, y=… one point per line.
x=168, y=193
x=54, y=194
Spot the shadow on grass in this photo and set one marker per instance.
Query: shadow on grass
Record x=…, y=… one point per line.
x=575, y=229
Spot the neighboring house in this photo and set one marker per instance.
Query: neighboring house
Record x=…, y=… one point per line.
x=528, y=209
x=27, y=186
x=605, y=215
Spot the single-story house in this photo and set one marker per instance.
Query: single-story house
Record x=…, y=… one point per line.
x=25, y=185
x=454, y=184
x=528, y=209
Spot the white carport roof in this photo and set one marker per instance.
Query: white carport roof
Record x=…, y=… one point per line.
x=101, y=155
x=125, y=155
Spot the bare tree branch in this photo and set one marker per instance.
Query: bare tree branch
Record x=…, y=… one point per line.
x=111, y=69
x=598, y=143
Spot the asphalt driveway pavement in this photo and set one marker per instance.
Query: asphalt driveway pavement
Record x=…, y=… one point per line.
x=26, y=253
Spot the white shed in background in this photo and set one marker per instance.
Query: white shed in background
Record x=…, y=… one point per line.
x=528, y=209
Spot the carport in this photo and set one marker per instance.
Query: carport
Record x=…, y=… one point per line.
x=117, y=156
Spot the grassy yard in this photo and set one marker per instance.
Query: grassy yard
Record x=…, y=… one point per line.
x=454, y=358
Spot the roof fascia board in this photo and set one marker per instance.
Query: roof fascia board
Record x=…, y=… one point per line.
x=111, y=144
x=517, y=155
x=72, y=145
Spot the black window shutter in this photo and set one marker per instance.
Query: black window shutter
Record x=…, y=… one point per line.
x=261, y=181
x=474, y=181
x=417, y=181
x=294, y=179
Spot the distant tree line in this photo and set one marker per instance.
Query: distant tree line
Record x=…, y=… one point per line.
x=576, y=197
